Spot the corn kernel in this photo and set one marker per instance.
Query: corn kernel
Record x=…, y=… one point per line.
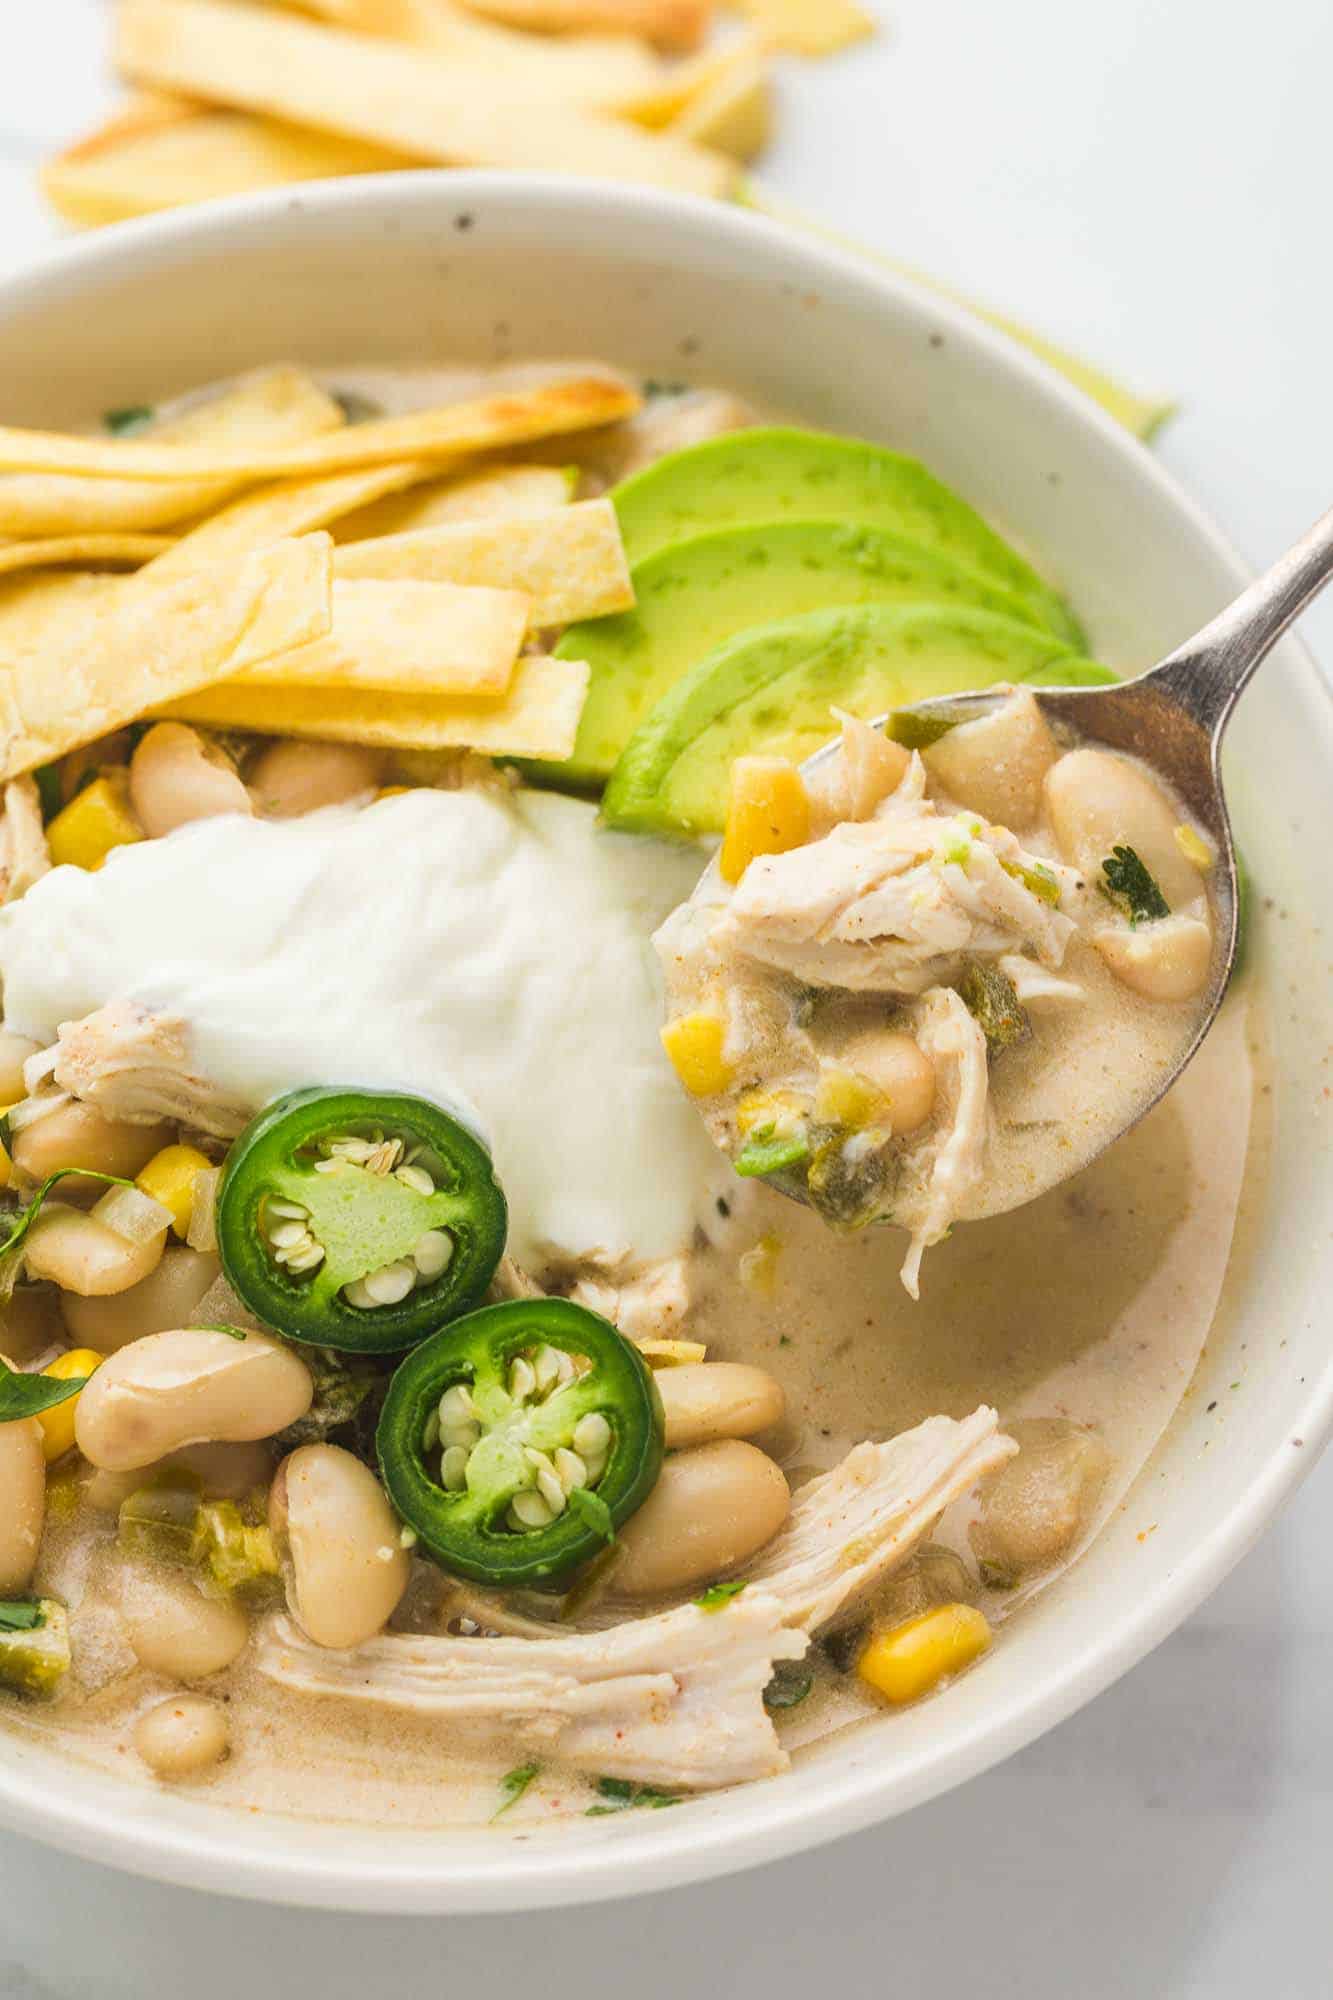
x=910, y=1660
x=58, y=1423
x=694, y=1043
x=1194, y=848
x=769, y=813
x=169, y=1178
x=846, y=1098
x=778, y=1108
x=94, y=822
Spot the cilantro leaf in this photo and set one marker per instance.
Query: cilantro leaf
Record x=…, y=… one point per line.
x=513, y=1785
x=1129, y=884
x=123, y=423
x=619, y=1795
x=28, y=1395
x=22, y=1223
x=718, y=1594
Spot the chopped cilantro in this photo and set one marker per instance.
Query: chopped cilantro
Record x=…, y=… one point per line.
x=719, y=1594
x=619, y=1794
x=770, y=1153
x=123, y=423
x=513, y=1785
x=1129, y=884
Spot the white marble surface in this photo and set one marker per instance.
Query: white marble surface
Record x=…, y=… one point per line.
x=1148, y=182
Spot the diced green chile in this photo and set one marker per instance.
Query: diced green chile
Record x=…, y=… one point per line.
x=34, y=1647
x=471, y=1530
x=362, y=1219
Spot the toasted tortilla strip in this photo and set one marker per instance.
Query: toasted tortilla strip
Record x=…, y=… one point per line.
x=291, y=507
x=677, y=26
x=409, y=638
x=455, y=431
x=809, y=27
x=90, y=551
x=538, y=717
x=500, y=492
x=733, y=111
x=276, y=407
x=162, y=152
x=67, y=679
x=569, y=563
x=408, y=100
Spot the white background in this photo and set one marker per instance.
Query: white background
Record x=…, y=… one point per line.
x=1148, y=181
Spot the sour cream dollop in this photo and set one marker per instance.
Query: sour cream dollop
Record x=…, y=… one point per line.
x=489, y=950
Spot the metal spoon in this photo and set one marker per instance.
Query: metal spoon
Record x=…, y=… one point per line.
x=1173, y=718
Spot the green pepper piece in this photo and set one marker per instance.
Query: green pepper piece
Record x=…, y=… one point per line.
x=501, y=1434
x=34, y=1647
x=352, y=1163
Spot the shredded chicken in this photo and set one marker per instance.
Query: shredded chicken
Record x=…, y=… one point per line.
x=957, y=1047
x=649, y=1306
x=24, y=854
x=1033, y=985
x=665, y=423
x=134, y=1065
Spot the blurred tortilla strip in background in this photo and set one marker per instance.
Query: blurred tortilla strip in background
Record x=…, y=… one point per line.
x=573, y=403
x=732, y=111
x=77, y=665
x=537, y=717
x=809, y=27
x=273, y=407
x=676, y=26
x=89, y=551
x=292, y=507
x=500, y=491
x=403, y=99
x=409, y=638
x=595, y=70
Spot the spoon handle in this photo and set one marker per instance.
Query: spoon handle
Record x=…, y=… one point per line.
x=1207, y=673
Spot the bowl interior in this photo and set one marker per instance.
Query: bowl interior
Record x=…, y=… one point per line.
x=410, y=268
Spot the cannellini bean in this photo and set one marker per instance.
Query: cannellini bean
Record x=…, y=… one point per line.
x=175, y=1630
x=996, y=764
x=165, y=1298
x=182, y=1738
x=14, y=1052
x=717, y=1399
x=22, y=1503
x=80, y=1254
x=712, y=1508
x=1168, y=960
x=900, y=1068
x=1034, y=1508
x=347, y=1568
x=77, y=1135
x=224, y=1472
x=292, y=778
x=1097, y=800
x=191, y=1385
x=177, y=775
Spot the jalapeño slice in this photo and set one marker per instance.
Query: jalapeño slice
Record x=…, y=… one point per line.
x=518, y=1439
x=359, y=1220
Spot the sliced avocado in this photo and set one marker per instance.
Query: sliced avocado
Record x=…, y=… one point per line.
x=773, y=688
x=773, y=474
x=693, y=595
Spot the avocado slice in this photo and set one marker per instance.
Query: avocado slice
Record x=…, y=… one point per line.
x=773, y=473
x=772, y=689
x=693, y=595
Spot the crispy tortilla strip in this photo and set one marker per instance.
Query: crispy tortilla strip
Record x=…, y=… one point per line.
x=162, y=152
x=570, y=563
x=89, y=551
x=275, y=408
x=409, y=638
x=733, y=111
x=809, y=27
x=455, y=431
x=501, y=492
x=408, y=100
x=291, y=507
x=69, y=679
x=538, y=717
x=677, y=26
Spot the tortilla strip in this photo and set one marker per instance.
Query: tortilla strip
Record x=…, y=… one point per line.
x=570, y=563
x=500, y=492
x=810, y=27
x=162, y=152
x=291, y=507
x=456, y=430
x=90, y=551
x=733, y=110
x=677, y=26
x=68, y=681
x=273, y=408
x=409, y=638
x=538, y=717
x=404, y=99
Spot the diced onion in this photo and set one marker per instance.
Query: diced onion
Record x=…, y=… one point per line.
x=30, y=1109
x=131, y=1213
x=38, y=1067
x=202, y=1233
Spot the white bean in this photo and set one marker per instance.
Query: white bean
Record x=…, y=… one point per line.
x=183, y=1737
x=77, y=1135
x=14, y=1052
x=292, y=777
x=1167, y=960
x=80, y=1254
x=177, y=775
x=191, y=1385
x=175, y=1630
x=996, y=764
x=1036, y=1505
x=224, y=1472
x=22, y=1503
x=348, y=1569
x=897, y=1065
x=1098, y=800
x=707, y=1400
x=165, y=1298
x=712, y=1508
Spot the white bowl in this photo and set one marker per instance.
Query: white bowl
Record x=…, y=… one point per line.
x=404, y=268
